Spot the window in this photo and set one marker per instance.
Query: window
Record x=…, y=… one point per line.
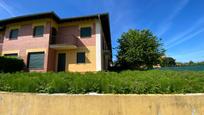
x=1, y=38
x=36, y=60
x=81, y=57
x=12, y=55
x=85, y=32
x=13, y=34
x=38, y=31
x=53, y=36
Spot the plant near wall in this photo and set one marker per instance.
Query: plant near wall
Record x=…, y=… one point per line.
x=125, y=82
x=11, y=64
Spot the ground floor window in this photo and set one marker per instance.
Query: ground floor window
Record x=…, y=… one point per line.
x=36, y=60
x=12, y=55
x=81, y=57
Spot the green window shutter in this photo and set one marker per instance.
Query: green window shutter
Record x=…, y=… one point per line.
x=81, y=57
x=36, y=60
x=38, y=31
x=13, y=34
x=85, y=32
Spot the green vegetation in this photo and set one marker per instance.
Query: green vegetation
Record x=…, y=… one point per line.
x=190, y=63
x=126, y=82
x=11, y=64
x=168, y=62
x=139, y=49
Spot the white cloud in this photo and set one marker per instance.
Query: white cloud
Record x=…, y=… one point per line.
x=190, y=36
x=167, y=23
x=178, y=38
x=7, y=8
x=195, y=53
x=194, y=56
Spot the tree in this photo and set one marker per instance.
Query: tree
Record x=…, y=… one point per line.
x=191, y=63
x=168, y=62
x=139, y=48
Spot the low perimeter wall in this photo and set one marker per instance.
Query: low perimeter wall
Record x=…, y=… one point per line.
x=62, y=104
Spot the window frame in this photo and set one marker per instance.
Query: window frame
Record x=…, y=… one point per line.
x=1, y=38
x=35, y=29
x=11, y=32
x=77, y=58
x=28, y=60
x=53, y=35
x=85, y=27
x=11, y=54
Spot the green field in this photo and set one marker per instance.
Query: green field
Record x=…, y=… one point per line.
x=126, y=82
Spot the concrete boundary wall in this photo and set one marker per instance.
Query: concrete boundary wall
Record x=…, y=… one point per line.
x=62, y=104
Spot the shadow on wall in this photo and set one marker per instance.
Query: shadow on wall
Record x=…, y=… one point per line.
x=79, y=43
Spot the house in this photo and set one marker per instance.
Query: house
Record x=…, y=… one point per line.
x=48, y=43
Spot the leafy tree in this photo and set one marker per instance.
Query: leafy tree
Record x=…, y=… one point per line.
x=139, y=48
x=191, y=63
x=168, y=62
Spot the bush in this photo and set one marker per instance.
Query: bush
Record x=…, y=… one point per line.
x=11, y=64
x=126, y=82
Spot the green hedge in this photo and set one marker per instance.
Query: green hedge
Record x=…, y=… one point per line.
x=11, y=64
x=126, y=82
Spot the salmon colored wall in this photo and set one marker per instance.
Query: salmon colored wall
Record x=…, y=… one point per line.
x=26, y=41
x=70, y=34
x=51, y=60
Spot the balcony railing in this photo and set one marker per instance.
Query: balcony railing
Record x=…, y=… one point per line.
x=65, y=43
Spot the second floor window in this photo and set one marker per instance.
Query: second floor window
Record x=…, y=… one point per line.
x=38, y=31
x=85, y=32
x=1, y=38
x=53, y=36
x=13, y=34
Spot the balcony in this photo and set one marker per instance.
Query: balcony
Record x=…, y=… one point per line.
x=63, y=43
x=63, y=46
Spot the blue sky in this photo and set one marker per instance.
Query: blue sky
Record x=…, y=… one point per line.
x=179, y=23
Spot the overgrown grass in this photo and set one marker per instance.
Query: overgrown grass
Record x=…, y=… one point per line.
x=127, y=82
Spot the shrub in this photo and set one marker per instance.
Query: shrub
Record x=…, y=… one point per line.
x=11, y=64
x=125, y=82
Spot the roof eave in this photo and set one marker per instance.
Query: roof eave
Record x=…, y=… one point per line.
x=106, y=29
x=103, y=17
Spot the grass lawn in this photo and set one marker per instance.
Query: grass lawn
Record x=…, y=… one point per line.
x=126, y=82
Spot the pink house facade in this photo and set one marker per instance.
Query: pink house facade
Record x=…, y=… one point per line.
x=47, y=43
